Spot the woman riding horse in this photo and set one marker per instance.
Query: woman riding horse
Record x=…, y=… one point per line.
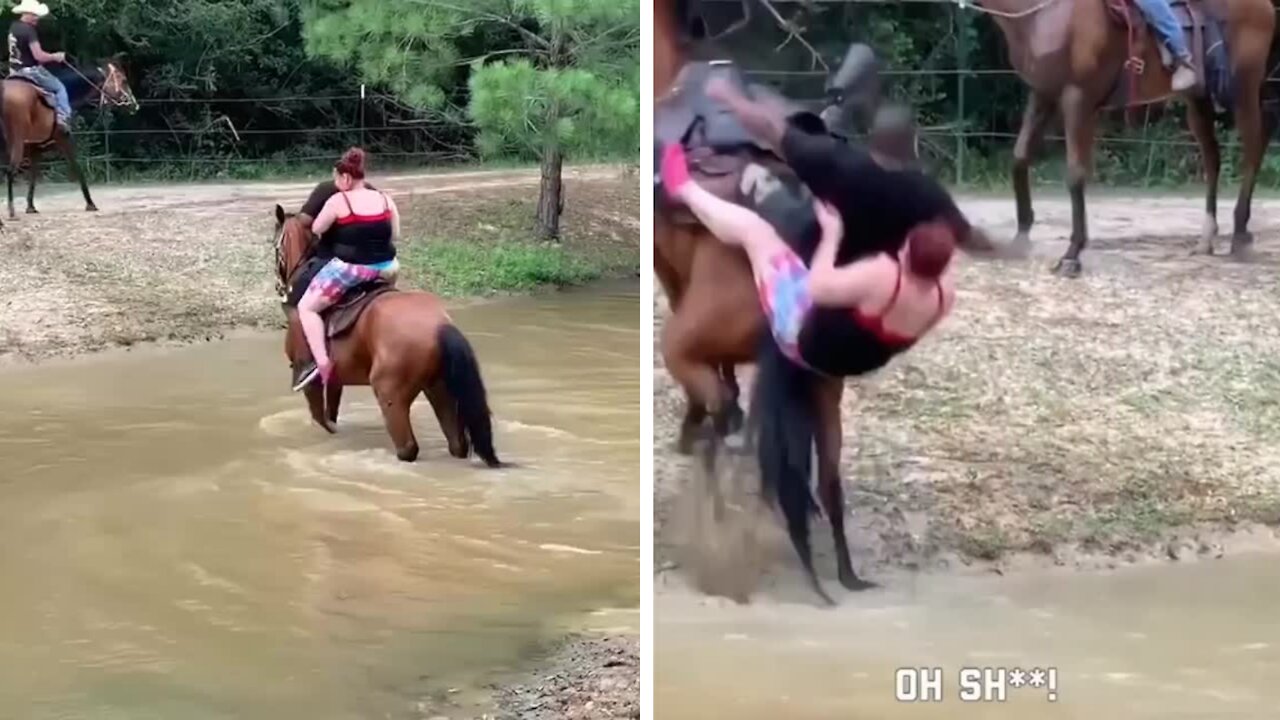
x=366, y=226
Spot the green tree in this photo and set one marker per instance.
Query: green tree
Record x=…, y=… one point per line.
x=564, y=81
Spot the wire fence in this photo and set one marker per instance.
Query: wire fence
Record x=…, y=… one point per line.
x=960, y=80
x=196, y=137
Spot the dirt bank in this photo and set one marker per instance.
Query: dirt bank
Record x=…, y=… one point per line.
x=1127, y=415
x=587, y=678
x=189, y=262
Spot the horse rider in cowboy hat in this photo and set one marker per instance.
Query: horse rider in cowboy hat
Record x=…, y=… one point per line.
x=27, y=59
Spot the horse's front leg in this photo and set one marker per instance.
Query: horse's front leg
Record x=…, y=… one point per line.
x=1034, y=119
x=1080, y=121
x=67, y=146
x=315, y=403
x=333, y=402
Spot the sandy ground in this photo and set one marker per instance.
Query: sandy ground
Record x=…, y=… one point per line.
x=189, y=262
x=1124, y=416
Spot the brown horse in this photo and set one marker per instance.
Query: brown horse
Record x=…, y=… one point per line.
x=1073, y=55
x=716, y=322
x=404, y=344
x=29, y=127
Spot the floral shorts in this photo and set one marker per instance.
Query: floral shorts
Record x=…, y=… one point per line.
x=337, y=277
x=784, y=293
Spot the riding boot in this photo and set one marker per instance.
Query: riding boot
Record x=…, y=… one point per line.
x=1184, y=78
x=305, y=370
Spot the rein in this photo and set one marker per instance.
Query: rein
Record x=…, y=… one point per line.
x=126, y=98
x=965, y=5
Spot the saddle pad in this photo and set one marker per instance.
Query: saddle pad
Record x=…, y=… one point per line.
x=343, y=316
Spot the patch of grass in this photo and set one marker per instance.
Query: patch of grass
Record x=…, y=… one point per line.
x=484, y=242
x=988, y=543
x=478, y=268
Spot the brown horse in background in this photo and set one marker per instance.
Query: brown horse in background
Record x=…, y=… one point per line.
x=1073, y=55
x=404, y=344
x=716, y=322
x=29, y=127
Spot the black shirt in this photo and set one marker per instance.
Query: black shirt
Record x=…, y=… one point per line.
x=878, y=206
x=312, y=207
x=21, y=36
x=320, y=195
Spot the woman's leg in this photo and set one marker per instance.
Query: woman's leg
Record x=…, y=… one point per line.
x=732, y=224
x=325, y=289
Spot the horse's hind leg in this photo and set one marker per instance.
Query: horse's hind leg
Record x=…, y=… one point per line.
x=695, y=414
x=736, y=418
x=10, y=172
x=1200, y=120
x=446, y=410
x=829, y=439
x=703, y=383
x=395, y=395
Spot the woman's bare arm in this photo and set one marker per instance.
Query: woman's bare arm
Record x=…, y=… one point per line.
x=831, y=286
x=327, y=217
x=395, y=218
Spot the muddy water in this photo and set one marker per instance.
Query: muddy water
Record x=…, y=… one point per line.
x=178, y=542
x=1172, y=641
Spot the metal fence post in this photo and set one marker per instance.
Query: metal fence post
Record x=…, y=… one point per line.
x=962, y=52
x=106, y=143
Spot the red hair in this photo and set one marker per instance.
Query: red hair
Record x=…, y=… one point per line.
x=352, y=163
x=929, y=249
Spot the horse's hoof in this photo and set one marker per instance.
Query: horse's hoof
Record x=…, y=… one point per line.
x=822, y=593
x=91, y=208
x=1203, y=247
x=1018, y=249
x=1067, y=268
x=853, y=583
x=408, y=454
x=1242, y=247
x=736, y=419
x=690, y=436
x=32, y=211
x=327, y=426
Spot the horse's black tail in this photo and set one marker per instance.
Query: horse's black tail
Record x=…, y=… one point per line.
x=462, y=379
x=783, y=411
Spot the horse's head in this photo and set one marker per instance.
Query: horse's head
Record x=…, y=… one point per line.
x=293, y=242
x=114, y=87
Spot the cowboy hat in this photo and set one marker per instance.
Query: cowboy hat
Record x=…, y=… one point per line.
x=31, y=7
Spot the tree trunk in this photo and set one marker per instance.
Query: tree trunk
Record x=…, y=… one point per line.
x=551, y=194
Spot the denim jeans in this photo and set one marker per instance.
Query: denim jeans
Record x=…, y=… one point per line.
x=46, y=80
x=1160, y=15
